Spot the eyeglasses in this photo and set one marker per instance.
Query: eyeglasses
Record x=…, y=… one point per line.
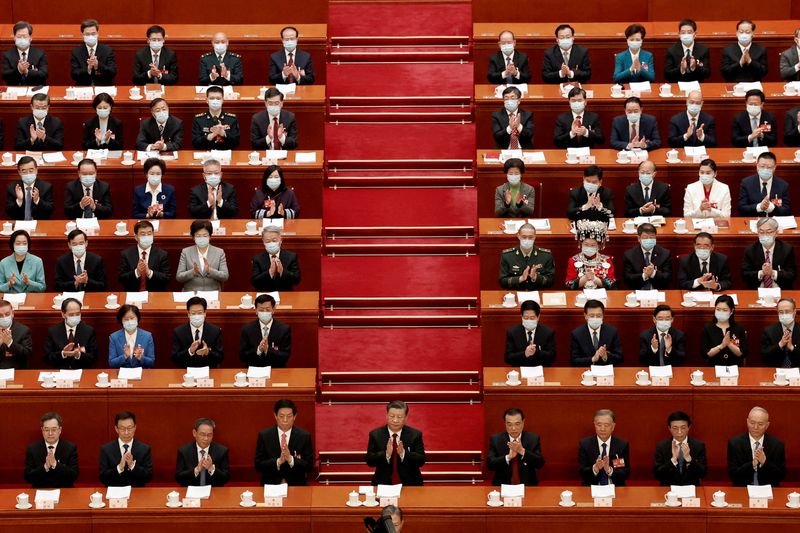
x=126, y=429
x=51, y=430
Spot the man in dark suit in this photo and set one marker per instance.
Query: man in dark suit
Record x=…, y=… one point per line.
x=754, y=127
x=144, y=267
x=648, y=197
x=508, y=66
x=154, y=63
x=290, y=65
x=213, y=199
x=694, y=127
x=755, y=458
x=71, y=343
x=662, y=344
x=24, y=64
x=512, y=127
x=602, y=458
x=687, y=60
x=274, y=128
x=39, y=131
x=790, y=60
x=595, y=343
x=221, y=67
x=530, y=343
x=202, y=462
x=770, y=261
x=284, y=453
x=266, y=341
x=791, y=127
x=396, y=450
x=577, y=128
x=704, y=269
x=161, y=132
x=124, y=461
x=93, y=63
x=680, y=459
x=51, y=463
x=514, y=454
x=745, y=60
x=635, y=129
x=30, y=198
x=764, y=194
x=197, y=343
x=16, y=345
x=79, y=270
x=591, y=195
x=780, y=341
x=275, y=269
x=648, y=266
x=566, y=62
x=88, y=197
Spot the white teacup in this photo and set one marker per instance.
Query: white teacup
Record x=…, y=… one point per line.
x=134, y=92
x=48, y=380
x=69, y=226
x=581, y=298
x=666, y=89
x=513, y=376
x=509, y=299
x=768, y=299
x=680, y=225
x=77, y=156
x=246, y=497
x=688, y=299
x=628, y=225
x=789, y=90
x=697, y=376
x=122, y=227
x=251, y=226
x=188, y=379
x=494, y=496
x=254, y=157
x=797, y=155
x=247, y=301
x=630, y=298
x=572, y=157
x=369, y=498
x=96, y=498
x=587, y=377
x=127, y=156
x=672, y=155
x=8, y=157
x=671, y=498
x=173, y=497
x=23, y=499
x=7, y=227
x=566, y=497
x=642, y=376
x=624, y=157
x=241, y=378
x=70, y=92
x=261, y=92
x=780, y=378
x=748, y=156
x=719, y=497
x=794, y=499
x=57, y=299
x=352, y=498
x=616, y=90
x=102, y=378
x=111, y=299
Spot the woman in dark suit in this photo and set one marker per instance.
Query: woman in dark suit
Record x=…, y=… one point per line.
x=102, y=130
x=724, y=342
x=274, y=199
x=154, y=199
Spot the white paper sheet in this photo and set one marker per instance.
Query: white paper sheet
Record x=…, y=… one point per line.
x=788, y=372
x=508, y=154
x=7, y=374
x=694, y=150
x=389, y=491
x=198, y=371
x=775, y=292
x=277, y=154
x=77, y=295
x=512, y=491
x=276, y=491
x=602, y=370
x=701, y=297
x=661, y=371
x=528, y=295
x=118, y=492
x=198, y=493
x=759, y=491
x=137, y=297
x=182, y=297
x=87, y=223
x=651, y=295
x=596, y=294
x=286, y=88
x=684, y=491
x=703, y=224
x=47, y=495
x=15, y=299
x=53, y=157
x=259, y=372
x=541, y=224
x=579, y=151
x=686, y=86
x=531, y=371
x=210, y=296
x=27, y=225
x=131, y=374
x=603, y=491
x=641, y=86
x=111, y=90
x=722, y=371
x=534, y=157
x=305, y=157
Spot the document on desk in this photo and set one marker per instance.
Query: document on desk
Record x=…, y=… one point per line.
x=512, y=491
x=111, y=90
x=200, y=372
x=686, y=86
x=15, y=299
x=759, y=491
x=641, y=86
x=182, y=297
x=259, y=372
x=198, y=493
x=541, y=224
x=527, y=295
x=286, y=88
x=554, y=299
x=6, y=374
x=661, y=371
x=595, y=294
x=118, y=492
x=692, y=151
x=138, y=297
x=276, y=491
x=603, y=491
x=531, y=371
x=722, y=371
x=53, y=157
x=602, y=370
x=389, y=491
x=684, y=491
x=47, y=495
x=77, y=295
x=131, y=374
x=651, y=295
x=305, y=157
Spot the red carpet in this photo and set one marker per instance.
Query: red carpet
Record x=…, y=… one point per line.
x=399, y=141
x=408, y=79
x=358, y=19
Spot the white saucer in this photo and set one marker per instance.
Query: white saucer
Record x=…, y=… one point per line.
x=256, y=164
x=53, y=386
x=644, y=383
x=108, y=306
x=780, y=384
x=629, y=231
x=513, y=383
x=74, y=163
x=796, y=160
x=29, y=505
x=588, y=384
x=570, y=504
x=135, y=97
x=251, y=234
x=680, y=232
x=102, y=386
x=762, y=304
x=188, y=386
x=789, y=505
x=509, y=306
x=621, y=162
x=349, y=504
x=617, y=95
x=627, y=304
x=5, y=233
x=118, y=234
x=10, y=164
x=128, y=163
x=676, y=504
x=567, y=161
x=698, y=383
x=251, y=504
x=373, y=504
x=250, y=307
x=719, y=505
x=174, y=505
x=684, y=304
x=673, y=161
x=55, y=307
x=97, y=505
x=242, y=386
x=494, y=504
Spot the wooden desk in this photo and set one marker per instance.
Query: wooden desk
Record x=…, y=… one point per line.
x=159, y=402
x=718, y=413
x=308, y=104
x=546, y=103
x=161, y=315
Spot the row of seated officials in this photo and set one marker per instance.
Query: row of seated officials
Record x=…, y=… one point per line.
x=284, y=453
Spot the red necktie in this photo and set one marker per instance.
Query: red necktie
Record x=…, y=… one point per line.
x=514, y=464
x=767, y=281
x=143, y=279
x=70, y=337
x=276, y=142
x=290, y=78
x=514, y=145
x=579, y=120
x=395, y=461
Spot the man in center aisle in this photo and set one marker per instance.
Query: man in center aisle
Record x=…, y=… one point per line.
x=526, y=267
x=396, y=450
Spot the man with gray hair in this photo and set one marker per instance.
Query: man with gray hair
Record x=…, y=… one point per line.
x=203, y=461
x=396, y=450
x=526, y=267
x=755, y=458
x=213, y=199
x=769, y=262
x=275, y=269
x=603, y=459
x=780, y=341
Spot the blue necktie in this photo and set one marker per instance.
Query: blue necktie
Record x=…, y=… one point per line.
x=125, y=447
x=202, y=470
x=603, y=477
x=28, y=203
x=755, y=472
x=681, y=460
x=509, y=78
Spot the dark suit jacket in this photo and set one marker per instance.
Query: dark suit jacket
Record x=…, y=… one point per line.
x=41, y=211
x=62, y=476
x=198, y=201
x=773, y=354
x=679, y=123
x=754, y=71
x=20, y=349
x=57, y=339
x=689, y=270
x=75, y=191
x=187, y=461
x=660, y=257
x=561, y=136
x=92, y=264
x=496, y=460
x=582, y=350
x=106, y=65
x=37, y=72
x=157, y=261
x=167, y=63
x=259, y=276
x=148, y=134
x=668, y=474
x=302, y=60
x=142, y=197
x=647, y=128
x=750, y=195
x=742, y=128
x=501, y=136
x=791, y=135
x=578, y=63
x=497, y=64
x=659, y=193
x=783, y=262
x=259, y=125
x=53, y=140
x=268, y=451
x=182, y=339
x=408, y=468
x=675, y=358
x=578, y=197
x=788, y=60
x=114, y=124
x=672, y=64
x=110, y=457
x=588, y=452
x=740, y=461
x=517, y=340
x=280, y=344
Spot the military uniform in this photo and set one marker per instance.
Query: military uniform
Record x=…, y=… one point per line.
x=603, y=266
x=231, y=60
x=513, y=263
x=201, y=126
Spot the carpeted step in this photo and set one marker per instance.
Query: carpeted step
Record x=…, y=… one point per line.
x=399, y=207
x=399, y=141
x=358, y=19
x=399, y=80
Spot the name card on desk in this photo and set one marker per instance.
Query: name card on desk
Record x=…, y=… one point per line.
x=759, y=503
x=118, y=503
x=388, y=501
x=604, y=374
x=65, y=384
x=273, y=501
x=512, y=501
x=534, y=375
x=794, y=381
x=45, y=504
x=690, y=502
x=191, y=502
x=119, y=383
x=661, y=375
x=603, y=502
x=257, y=382
x=728, y=375
x=2, y=384
x=205, y=383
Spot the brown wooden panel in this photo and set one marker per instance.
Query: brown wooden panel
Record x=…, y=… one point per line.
x=240, y=11
x=717, y=10
x=555, y=11
x=45, y=12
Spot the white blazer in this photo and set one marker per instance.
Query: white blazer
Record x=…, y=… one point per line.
x=694, y=196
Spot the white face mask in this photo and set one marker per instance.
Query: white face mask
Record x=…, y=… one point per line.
x=215, y=104
x=513, y=179
x=529, y=324
x=634, y=45
x=507, y=48
x=103, y=113
x=146, y=241
x=753, y=110
x=28, y=179
x=633, y=118
x=213, y=179
x=220, y=48
x=693, y=109
x=88, y=180
x=687, y=39
x=578, y=106
x=744, y=38
x=90, y=40
x=706, y=179
x=526, y=244
x=589, y=251
x=154, y=180
x=202, y=242
x=273, y=183
x=273, y=247
x=22, y=43
x=565, y=44
x=162, y=116
x=274, y=110
x=130, y=325
x=264, y=317
x=595, y=322
x=786, y=318
x=78, y=250
x=290, y=45
x=73, y=321
x=197, y=320
x=702, y=253
x=663, y=325
x=155, y=46
x=40, y=114
x=6, y=321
